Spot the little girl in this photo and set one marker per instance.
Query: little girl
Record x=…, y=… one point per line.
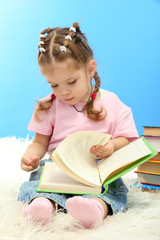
x=67, y=62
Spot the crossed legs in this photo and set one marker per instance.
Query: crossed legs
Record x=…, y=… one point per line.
x=89, y=212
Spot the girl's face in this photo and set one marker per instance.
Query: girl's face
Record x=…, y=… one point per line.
x=69, y=84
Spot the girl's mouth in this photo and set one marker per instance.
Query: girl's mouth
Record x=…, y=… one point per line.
x=68, y=99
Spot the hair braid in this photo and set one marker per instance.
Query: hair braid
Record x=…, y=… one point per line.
x=43, y=40
x=44, y=105
x=75, y=36
x=97, y=82
x=93, y=113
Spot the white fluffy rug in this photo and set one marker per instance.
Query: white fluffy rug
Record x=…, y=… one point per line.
x=140, y=222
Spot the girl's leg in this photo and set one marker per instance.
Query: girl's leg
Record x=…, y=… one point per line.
x=104, y=205
x=40, y=209
x=90, y=212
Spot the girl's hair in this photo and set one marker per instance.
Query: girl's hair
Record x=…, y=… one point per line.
x=75, y=46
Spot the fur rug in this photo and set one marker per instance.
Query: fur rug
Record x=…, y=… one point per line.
x=140, y=222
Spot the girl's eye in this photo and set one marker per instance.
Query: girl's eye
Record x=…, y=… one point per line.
x=54, y=86
x=73, y=82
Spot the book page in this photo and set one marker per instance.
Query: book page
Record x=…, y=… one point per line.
x=123, y=157
x=54, y=179
x=74, y=151
x=70, y=173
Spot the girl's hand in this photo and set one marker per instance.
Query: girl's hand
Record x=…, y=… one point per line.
x=29, y=162
x=103, y=151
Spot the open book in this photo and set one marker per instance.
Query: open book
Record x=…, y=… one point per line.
x=75, y=170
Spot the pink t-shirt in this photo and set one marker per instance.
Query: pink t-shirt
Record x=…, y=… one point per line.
x=62, y=119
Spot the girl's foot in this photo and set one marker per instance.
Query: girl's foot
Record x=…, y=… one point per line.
x=40, y=209
x=89, y=212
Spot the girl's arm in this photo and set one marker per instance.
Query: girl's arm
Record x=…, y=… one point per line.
x=34, y=152
x=113, y=145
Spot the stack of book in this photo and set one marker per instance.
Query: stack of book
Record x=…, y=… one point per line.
x=149, y=172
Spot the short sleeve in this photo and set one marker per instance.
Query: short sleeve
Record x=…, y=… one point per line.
x=40, y=124
x=124, y=122
x=43, y=122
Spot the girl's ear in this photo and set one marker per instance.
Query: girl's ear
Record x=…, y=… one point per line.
x=92, y=68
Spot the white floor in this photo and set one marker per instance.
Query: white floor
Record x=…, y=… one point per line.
x=140, y=222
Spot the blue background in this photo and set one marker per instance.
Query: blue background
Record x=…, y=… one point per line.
x=124, y=35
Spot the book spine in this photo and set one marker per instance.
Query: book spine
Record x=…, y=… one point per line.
x=151, y=136
x=151, y=173
x=150, y=184
x=154, y=161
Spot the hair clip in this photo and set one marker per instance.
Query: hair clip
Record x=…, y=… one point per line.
x=53, y=96
x=93, y=95
x=68, y=37
x=63, y=48
x=42, y=36
x=72, y=29
x=41, y=42
x=42, y=49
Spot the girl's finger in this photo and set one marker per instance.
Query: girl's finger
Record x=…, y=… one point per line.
x=26, y=167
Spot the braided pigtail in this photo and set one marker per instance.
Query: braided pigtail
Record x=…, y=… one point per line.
x=42, y=46
x=75, y=46
x=91, y=111
x=44, y=55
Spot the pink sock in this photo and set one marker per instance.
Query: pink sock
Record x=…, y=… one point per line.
x=40, y=209
x=88, y=211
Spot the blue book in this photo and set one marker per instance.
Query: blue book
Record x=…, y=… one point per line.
x=146, y=186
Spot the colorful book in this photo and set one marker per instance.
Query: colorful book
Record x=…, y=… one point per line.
x=148, y=178
x=75, y=170
x=150, y=167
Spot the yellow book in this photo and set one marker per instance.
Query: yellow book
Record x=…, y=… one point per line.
x=150, y=167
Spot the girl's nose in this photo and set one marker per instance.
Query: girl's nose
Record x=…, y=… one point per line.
x=65, y=92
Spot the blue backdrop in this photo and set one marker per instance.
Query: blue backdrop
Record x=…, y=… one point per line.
x=124, y=35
